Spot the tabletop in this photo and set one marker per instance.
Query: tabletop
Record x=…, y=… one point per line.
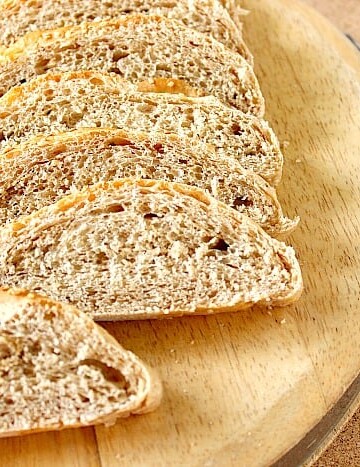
x=345, y=449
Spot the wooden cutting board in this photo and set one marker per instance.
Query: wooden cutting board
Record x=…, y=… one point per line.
x=242, y=389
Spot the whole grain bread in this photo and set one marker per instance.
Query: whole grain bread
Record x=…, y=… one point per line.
x=143, y=249
x=58, y=102
x=136, y=47
x=236, y=11
x=44, y=169
x=19, y=17
x=58, y=369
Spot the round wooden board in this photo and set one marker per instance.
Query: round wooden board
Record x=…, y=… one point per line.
x=242, y=389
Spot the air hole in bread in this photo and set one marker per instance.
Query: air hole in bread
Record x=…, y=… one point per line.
x=100, y=259
x=54, y=377
x=163, y=67
x=158, y=147
x=110, y=374
x=40, y=66
x=150, y=216
x=48, y=92
x=219, y=244
x=8, y=401
x=119, y=142
x=116, y=71
x=28, y=370
x=119, y=55
x=236, y=129
x=115, y=208
x=5, y=351
x=96, y=81
x=242, y=201
x=182, y=161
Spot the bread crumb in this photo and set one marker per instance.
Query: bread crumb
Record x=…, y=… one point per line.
x=269, y=313
x=192, y=342
x=172, y=350
x=298, y=161
x=285, y=144
x=171, y=84
x=283, y=321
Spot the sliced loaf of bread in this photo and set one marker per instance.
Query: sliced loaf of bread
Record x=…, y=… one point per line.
x=19, y=17
x=58, y=369
x=136, y=48
x=147, y=249
x=58, y=102
x=44, y=169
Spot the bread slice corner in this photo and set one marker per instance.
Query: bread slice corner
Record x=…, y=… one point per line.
x=58, y=369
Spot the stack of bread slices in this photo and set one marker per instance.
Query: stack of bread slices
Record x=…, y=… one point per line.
x=138, y=180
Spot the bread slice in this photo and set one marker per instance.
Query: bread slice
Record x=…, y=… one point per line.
x=58, y=369
x=143, y=249
x=19, y=17
x=43, y=170
x=58, y=102
x=136, y=48
x=236, y=11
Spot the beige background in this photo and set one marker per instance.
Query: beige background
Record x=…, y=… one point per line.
x=345, y=450
x=345, y=14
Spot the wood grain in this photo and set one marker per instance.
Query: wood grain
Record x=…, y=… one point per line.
x=345, y=14
x=241, y=389
x=345, y=448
